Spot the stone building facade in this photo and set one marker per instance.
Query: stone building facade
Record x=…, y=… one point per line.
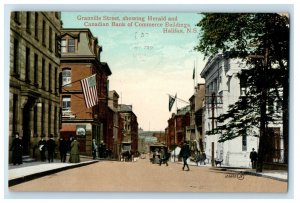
x=222, y=88
x=80, y=58
x=34, y=77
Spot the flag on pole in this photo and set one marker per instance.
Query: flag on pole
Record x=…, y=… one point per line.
x=90, y=91
x=171, y=101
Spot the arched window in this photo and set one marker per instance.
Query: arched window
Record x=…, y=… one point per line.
x=66, y=77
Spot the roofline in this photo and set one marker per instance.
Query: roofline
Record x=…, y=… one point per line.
x=210, y=63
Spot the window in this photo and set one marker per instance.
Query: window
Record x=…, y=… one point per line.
x=66, y=77
x=66, y=103
x=36, y=67
x=17, y=17
x=50, y=39
x=67, y=45
x=71, y=45
x=16, y=57
x=50, y=78
x=63, y=46
x=28, y=22
x=44, y=33
x=27, y=65
x=43, y=73
x=55, y=82
x=36, y=25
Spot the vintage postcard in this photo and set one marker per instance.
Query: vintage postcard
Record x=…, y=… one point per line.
x=155, y=102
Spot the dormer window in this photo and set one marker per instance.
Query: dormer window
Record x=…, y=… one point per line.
x=68, y=45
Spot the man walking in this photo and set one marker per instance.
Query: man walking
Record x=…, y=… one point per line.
x=253, y=157
x=185, y=153
x=50, y=147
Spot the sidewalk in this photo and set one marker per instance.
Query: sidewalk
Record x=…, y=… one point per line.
x=279, y=175
x=28, y=171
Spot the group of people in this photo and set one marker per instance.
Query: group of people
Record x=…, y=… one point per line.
x=48, y=146
x=65, y=146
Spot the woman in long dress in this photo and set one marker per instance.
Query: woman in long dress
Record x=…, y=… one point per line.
x=74, y=153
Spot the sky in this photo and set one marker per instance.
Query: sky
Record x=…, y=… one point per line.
x=147, y=63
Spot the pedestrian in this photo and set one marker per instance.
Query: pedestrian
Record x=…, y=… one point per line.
x=185, y=153
x=253, y=157
x=63, y=148
x=94, y=148
x=17, y=150
x=163, y=157
x=50, y=148
x=42, y=148
x=74, y=153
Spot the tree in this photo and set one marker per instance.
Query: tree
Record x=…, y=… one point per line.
x=262, y=41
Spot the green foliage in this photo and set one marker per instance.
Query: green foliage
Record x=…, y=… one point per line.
x=240, y=35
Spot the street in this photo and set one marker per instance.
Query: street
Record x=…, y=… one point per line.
x=142, y=176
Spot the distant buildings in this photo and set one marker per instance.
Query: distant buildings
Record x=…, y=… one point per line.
x=113, y=98
x=177, y=127
x=128, y=128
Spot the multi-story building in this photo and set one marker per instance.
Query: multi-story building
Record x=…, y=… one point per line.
x=222, y=88
x=177, y=127
x=114, y=122
x=80, y=58
x=194, y=131
x=128, y=128
x=34, y=77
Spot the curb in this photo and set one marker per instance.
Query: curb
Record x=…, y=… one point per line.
x=252, y=173
x=23, y=179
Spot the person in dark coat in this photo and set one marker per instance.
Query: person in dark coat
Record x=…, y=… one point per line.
x=163, y=157
x=63, y=148
x=185, y=153
x=17, y=150
x=50, y=147
x=42, y=149
x=253, y=157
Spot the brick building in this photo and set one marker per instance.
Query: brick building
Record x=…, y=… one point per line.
x=34, y=73
x=80, y=59
x=177, y=127
x=128, y=128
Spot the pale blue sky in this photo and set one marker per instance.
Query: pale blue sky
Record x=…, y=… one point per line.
x=146, y=63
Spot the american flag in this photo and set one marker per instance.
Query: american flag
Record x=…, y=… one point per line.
x=90, y=91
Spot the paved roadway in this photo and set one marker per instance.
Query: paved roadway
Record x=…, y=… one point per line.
x=142, y=176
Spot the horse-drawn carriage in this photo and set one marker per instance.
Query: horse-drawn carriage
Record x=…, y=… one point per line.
x=156, y=153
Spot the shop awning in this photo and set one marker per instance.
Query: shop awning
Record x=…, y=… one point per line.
x=68, y=128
